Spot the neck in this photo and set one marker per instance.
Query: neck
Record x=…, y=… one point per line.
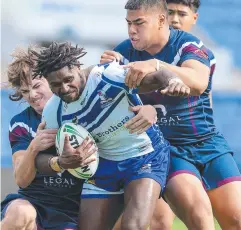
x=160, y=43
x=87, y=71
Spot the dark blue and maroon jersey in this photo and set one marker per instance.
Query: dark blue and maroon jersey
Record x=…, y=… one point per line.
x=59, y=192
x=181, y=119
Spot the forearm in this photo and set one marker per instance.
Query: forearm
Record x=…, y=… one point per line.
x=156, y=81
x=42, y=164
x=24, y=168
x=189, y=76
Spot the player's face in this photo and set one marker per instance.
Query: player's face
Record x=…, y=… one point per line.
x=37, y=93
x=144, y=28
x=67, y=83
x=181, y=17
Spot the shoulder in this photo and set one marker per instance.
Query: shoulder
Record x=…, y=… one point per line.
x=50, y=112
x=24, y=122
x=23, y=117
x=123, y=46
x=182, y=37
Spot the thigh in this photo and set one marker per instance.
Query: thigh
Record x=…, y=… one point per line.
x=180, y=165
x=220, y=171
x=99, y=213
x=184, y=193
x=141, y=196
x=226, y=203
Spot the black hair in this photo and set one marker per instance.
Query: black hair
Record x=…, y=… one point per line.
x=146, y=4
x=192, y=4
x=57, y=56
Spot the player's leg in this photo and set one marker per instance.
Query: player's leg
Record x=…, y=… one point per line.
x=99, y=213
x=141, y=196
x=186, y=196
x=163, y=216
x=224, y=181
x=19, y=214
x=145, y=176
x=101, y=199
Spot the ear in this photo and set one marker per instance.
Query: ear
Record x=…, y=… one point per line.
x=195, y=17
x=162, y=20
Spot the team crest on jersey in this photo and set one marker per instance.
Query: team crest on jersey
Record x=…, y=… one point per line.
x=75, y=120
x=104, y=100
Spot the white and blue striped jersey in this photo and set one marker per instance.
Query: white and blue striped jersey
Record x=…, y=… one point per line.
x=103, y=110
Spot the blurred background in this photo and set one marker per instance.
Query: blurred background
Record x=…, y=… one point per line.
x=100, y=25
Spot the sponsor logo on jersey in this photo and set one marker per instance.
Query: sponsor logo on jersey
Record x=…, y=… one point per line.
x=104, y=100
x=112, y=130
x=59, y=182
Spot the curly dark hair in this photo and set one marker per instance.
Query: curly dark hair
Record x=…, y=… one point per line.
x=57, y=56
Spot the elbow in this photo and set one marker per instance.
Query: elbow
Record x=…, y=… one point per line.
x=199, y=90
x=23, y=182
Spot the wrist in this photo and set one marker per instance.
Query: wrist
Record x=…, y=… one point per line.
x=33, y=148
x=54, y=164
x=159, y=64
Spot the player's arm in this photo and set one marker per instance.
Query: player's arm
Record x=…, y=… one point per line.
x=25, y=154
x=193, y=73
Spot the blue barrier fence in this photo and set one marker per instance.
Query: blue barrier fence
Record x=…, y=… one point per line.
x=227, y=113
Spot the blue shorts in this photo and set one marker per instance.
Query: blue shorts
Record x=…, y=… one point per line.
x=210, y=160
x=112, y=177
x=237, y=158
x=47, y=218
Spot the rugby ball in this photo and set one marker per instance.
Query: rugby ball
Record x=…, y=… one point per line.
x=76, y=135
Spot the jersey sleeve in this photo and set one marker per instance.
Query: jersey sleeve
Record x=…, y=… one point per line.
x=192, y=49
x=20, y=135
x=115, y=75
x=52, y=113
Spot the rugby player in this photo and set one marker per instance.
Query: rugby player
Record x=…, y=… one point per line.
x=98, y=99
x=200, y=156
x=45, y=199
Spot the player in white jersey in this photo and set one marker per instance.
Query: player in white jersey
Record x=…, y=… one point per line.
x=98, y=99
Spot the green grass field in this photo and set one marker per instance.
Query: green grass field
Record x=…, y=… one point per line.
x=178, y=225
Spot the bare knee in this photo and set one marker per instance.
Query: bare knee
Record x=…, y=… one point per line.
x=198, y=215
x=19, y=215
x=163, y=216
x=134, y=224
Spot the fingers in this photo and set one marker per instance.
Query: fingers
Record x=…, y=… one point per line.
x=41, y=126
x=67, y=144
x=176, y=89
x=142, y=130
x=134, y=75
x=86, y=149
x=88, y=161
x=139, y=126
x=135, y=108
x=109, y=56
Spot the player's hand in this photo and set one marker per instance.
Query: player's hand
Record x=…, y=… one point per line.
x=109, y=56
x=176, y=87
x=145, y=118
x=137, y=71
x=45, y=138
x=73, y=158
